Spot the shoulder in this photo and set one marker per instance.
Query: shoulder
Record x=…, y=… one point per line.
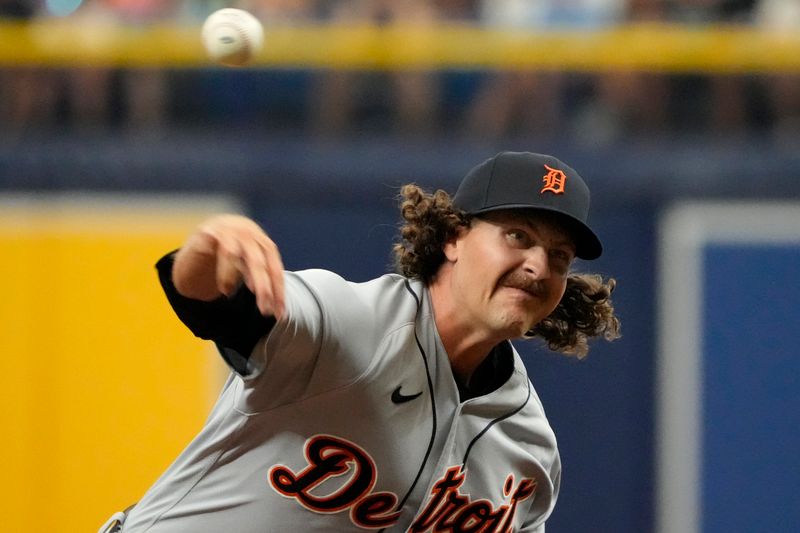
x=325, y=280
x=340, y=307
x=390, y=294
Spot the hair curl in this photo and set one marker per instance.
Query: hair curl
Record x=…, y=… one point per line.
x=585, y=311
x=430, y=220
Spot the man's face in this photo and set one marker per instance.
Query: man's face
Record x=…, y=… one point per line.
x=510, y=270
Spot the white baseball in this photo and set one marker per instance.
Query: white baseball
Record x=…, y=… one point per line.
x=232, y=37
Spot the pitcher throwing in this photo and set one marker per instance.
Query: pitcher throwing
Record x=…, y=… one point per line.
x=398, y=404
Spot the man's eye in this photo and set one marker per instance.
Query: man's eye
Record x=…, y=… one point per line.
x=561, y=256
x=517, y=236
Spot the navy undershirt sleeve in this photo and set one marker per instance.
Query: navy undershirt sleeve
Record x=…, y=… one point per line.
x=234, y=323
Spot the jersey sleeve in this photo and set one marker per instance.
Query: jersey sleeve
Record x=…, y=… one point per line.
x=325, y=340
x=233, y=323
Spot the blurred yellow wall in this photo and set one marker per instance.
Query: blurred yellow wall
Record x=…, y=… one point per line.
x=102, y=386
x=659, y=47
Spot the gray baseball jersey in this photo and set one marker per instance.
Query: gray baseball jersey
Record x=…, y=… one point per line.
x=345, y=416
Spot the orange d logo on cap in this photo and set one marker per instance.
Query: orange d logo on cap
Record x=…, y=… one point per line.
x=554, y=181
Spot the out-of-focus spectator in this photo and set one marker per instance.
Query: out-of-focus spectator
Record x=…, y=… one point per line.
x=532, y=102
x=23, y=89
x=90, y=97
x=408, y=97
x=724, y=108
x=782, y=89
x=144, y=92
x=88, y=89
x=625, y=102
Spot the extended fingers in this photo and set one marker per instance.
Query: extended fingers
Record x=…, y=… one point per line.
x=245, y=253
x=274, y=268
x=263, y=274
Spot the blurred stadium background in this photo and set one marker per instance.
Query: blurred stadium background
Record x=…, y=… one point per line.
x=117, y=136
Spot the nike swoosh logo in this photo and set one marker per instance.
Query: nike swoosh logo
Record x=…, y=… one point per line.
x=402, y=398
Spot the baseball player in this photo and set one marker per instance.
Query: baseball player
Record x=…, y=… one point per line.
x=398, y=404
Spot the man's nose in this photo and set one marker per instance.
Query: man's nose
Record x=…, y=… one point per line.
x=537, y=262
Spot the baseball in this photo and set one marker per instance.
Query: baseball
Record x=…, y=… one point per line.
x=232, y=37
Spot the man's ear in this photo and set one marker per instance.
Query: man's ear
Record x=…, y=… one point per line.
x=453, y=246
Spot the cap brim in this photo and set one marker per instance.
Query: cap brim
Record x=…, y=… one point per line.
x=587, y=244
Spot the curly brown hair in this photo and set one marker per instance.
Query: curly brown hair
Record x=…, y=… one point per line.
x=430, y=220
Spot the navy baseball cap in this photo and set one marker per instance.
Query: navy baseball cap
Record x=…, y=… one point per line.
x=524, y=180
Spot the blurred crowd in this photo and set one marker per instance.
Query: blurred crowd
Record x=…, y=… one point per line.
x=596, y=106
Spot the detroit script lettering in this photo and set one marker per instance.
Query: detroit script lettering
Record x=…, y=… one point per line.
x=446, y=508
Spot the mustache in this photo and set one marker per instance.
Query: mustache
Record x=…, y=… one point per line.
x=519, y=280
